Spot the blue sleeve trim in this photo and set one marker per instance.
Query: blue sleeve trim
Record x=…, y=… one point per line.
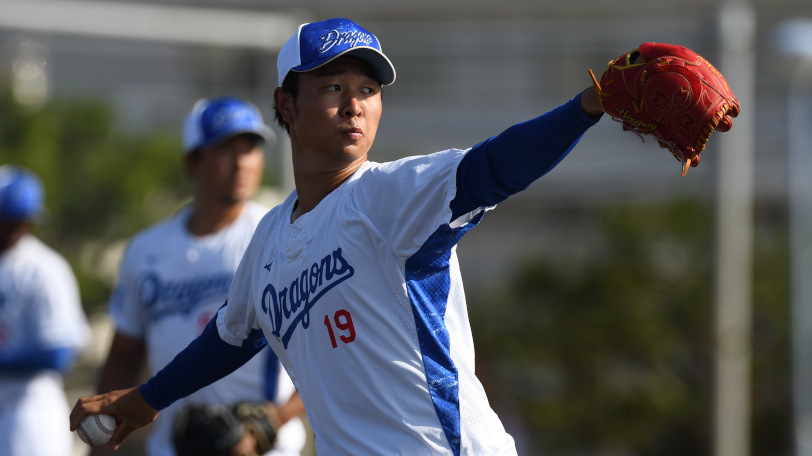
x=509, y=162
x=58, y=359
x=206, y=360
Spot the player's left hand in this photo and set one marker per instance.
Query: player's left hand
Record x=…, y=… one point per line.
x=262, y=421
x=669, y=92
x=129, y=407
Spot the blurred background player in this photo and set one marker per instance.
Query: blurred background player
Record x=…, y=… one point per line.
x=42, y=325
x=176, y=274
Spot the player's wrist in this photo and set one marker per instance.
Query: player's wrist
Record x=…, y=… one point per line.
x=276, y=415
x=590, y=102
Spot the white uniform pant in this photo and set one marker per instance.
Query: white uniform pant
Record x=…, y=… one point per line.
x=34, y=417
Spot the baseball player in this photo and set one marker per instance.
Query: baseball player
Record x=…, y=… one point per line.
x=175, y=275
x=42, y=325
x=354, y=280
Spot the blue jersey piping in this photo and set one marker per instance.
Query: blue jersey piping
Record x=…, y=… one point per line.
x=428, y=282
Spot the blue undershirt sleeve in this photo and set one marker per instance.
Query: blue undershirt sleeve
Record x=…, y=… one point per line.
x=58, y=359
x=272, y=367
x=509, y=162
x=206, y=360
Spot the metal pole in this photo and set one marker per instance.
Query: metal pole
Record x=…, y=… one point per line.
x=794, y=39
x=734, y=236
x=799, y=102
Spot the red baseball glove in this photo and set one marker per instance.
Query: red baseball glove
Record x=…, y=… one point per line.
x=670, y=92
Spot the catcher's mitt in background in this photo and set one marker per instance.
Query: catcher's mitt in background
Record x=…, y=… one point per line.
x=215, y=429
x=670, y=92
x=255, y=418
x=206, y=430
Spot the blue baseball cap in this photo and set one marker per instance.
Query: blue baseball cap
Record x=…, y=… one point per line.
x=215, y=120
x=318, y=43
x=21, y=194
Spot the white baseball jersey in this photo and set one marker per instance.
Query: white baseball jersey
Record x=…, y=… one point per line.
x=361, y=299
x=40, y=309
x=170, y=285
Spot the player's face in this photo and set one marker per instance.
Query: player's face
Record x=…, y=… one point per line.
x=336, y=113
x=231, y=171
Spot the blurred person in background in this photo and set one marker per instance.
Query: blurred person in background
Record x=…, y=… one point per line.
x=42, y=325
x=176, y=274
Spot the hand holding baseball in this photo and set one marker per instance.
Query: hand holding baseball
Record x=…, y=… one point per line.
x=96, y=430
x=127, y=406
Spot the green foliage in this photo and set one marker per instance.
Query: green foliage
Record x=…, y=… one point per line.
x=614, y=354
x=101, y=184
x=771, y=336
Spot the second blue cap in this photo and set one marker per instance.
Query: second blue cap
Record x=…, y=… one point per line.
x=21, y=194
x=215, y=120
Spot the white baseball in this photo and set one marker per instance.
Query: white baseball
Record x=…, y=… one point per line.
x=97, y=430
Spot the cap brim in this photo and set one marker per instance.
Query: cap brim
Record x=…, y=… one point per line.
x=380, y=63
x=263, y=131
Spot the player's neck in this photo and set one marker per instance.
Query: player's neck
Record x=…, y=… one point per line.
x=210, y=218
x=314, y=183
x=11, y=233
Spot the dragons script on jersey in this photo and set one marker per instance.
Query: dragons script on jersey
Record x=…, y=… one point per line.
x=364, y=306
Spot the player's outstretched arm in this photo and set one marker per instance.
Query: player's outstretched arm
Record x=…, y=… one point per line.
x=127, y=406
x=507, y=163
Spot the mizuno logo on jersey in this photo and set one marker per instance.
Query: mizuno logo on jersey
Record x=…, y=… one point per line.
x=290, y=305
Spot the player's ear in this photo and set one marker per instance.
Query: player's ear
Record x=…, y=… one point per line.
x=284, y=104
x=189, y=162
